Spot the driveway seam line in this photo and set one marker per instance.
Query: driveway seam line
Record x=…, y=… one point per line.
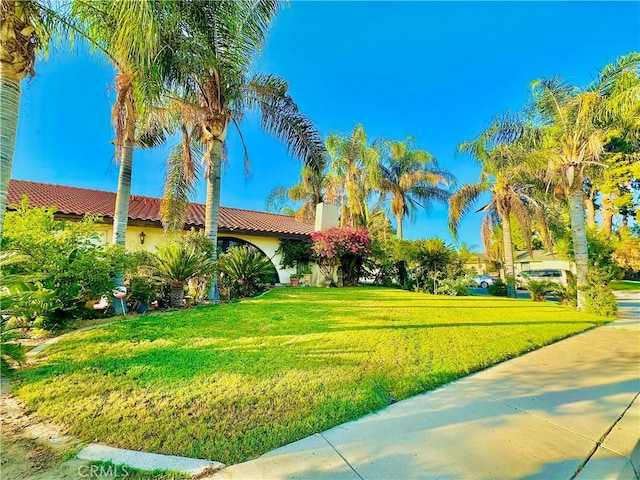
x=603, y=438
x=340, y=455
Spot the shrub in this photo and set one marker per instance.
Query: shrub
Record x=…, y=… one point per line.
x=433, y=261
x=243, y=271
x=598, y=296
x=345, y=247
x=295, y=252
x=66, y=258
x=498, y=288
x=454, y=286
x=540, y=290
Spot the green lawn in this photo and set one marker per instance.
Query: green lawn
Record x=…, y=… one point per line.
x=625, y=286
x=230, y=382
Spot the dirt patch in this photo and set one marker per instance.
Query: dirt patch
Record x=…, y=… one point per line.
x=33, y=450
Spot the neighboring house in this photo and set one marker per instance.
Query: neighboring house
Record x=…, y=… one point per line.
x=236, y=226
x=523, y=261
x=481, y=263
x=541, y=259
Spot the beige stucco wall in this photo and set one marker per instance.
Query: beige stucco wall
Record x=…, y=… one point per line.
x=155, y=236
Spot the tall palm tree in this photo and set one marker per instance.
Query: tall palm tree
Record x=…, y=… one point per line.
x=576, y=127
x=126, y=31
x=507, y=177
x=312, y=189
x=619, y=83
x=412, y=179
x=354, y=168
x=213, y=45
x=26, y=29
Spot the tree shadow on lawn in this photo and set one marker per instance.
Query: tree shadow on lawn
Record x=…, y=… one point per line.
x=578, y=323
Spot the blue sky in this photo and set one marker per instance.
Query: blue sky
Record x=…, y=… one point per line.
x=438, y=71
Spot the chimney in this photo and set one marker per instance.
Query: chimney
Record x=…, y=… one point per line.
x=326, y=216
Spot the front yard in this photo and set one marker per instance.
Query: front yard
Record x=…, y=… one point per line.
x=233, y=381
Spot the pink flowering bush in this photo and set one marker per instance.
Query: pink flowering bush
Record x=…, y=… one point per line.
x=346, y=247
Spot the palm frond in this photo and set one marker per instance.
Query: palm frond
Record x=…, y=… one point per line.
x=461, y=203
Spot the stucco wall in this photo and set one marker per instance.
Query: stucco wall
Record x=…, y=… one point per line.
x=155, y=236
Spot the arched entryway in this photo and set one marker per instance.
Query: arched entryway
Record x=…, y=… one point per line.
x=225, y=243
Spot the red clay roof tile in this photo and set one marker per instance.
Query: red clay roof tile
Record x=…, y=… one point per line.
x=79, y=201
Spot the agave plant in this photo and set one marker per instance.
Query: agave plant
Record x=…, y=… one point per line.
x=176, y=264
x=244, y=269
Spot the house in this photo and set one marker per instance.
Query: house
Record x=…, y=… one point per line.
x=523, y=261
x=236, y=226
x=541, y=260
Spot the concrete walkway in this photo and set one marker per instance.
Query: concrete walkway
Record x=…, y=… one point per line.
x=568, y=410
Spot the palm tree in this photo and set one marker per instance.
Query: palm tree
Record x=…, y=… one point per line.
x=412, y=179
x=26, y=29
x=506, y=176
x=126, y=31
x=312, y=189
x=619, y=84
x=175, y=265
x=354, y=167
x=575, y=125
x=213, y=46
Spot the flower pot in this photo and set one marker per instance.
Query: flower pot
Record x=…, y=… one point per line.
x=295, y=282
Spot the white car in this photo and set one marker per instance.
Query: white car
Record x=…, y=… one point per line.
x=561, y=277
x=483, y=281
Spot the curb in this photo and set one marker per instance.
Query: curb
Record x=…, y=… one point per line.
x=148, y=461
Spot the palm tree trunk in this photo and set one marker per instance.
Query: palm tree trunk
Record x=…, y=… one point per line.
x=509, y=267
x=9, y=109
x=607, y=214
x=399, y=222
x=212, y=208
x=176, y=296
x=579, y=235
x=123, y=195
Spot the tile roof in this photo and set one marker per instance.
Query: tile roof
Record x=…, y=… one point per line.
x=78, y=201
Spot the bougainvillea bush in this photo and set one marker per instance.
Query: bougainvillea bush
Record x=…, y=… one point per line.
x=345, y=247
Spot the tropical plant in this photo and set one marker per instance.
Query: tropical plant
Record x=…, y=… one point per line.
x=508, y=178
x=26, y=29
x=207, y=69
x=174, y=264
x=16, y=293
x=619, y=84
x=412, y=179
x=313, y=188
x=353, y=172
x=126, y=32
x=539, y=289
x=431, y=261
x=575, y=127
x=10, y=350
x=65, y=256
x=244, y=270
